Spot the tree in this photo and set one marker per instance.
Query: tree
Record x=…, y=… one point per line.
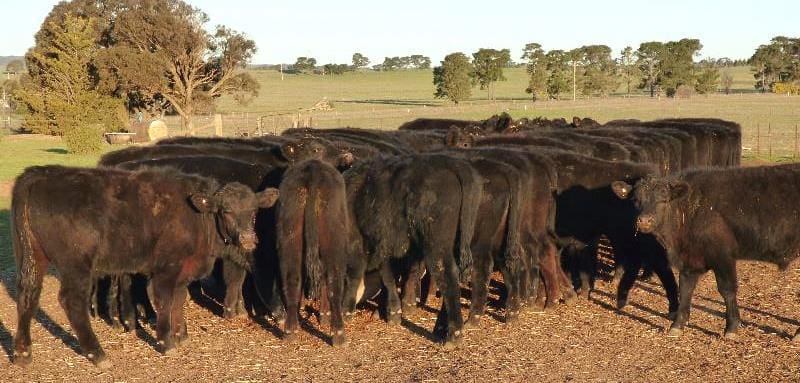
x=488, y=68
x=707, y=81
x=337, y=68
x=420, y=61
x=778, y=61
x=359, y=60
x=726, y=81
x=15, y=66
x=391, y=63
x=677, y=64
x=61, y=97
x=574, y=57
x=305, y=64
x=648, y=61
x=598, y=70
x=537, y=69
x=558, y=67
x=162, y=51
x=452, y=78
x=628, y=69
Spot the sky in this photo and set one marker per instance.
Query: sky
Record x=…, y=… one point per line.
x=331, y=31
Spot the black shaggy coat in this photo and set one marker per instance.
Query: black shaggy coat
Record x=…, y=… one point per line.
x=709, y=219
x=313, y=230
x=90, y=222
x=417, y=206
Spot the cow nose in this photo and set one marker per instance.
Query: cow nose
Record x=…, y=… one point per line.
x=248, y=242
x=644, y=223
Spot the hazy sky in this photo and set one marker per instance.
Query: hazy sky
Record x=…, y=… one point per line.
x=331, y=31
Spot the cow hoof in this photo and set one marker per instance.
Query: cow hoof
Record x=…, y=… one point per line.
x=511, y=317
x=338, y=339
x=672, y=315
x=289, y=336
x=569, y=296
x=674, y=332
x=621, y=303
x=583, y=293
x=395, y=318
x=410, y=308
x=117, y=325
x=452, y=341
x=165, y=348
x=730, y=335
x=230, y=313
x=99, y=360
x=23, y=358
x=473, y=321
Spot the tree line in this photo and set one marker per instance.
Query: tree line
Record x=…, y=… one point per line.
x=657, y=67
x=309, y=64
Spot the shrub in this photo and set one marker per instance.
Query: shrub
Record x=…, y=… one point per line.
x=84, y=139
x=786, y=88
x=684, y=91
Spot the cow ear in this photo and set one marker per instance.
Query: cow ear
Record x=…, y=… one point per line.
x=678, y=190
x=267, y=198
x=203, y=203
x=289, y=151
x=621, y=188
x=452, y=136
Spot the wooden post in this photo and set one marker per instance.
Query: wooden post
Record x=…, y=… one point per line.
x=758, y=139
x=769, y=137
x=218, y=125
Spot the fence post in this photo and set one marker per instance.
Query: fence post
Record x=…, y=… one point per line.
x=758, y=139
x=794, y=153
x=769, y=137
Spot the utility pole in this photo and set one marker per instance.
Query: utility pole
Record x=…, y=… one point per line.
x=281, y=71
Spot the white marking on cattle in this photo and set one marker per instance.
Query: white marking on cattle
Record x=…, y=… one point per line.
x=90, y=355
x=26, y=354
x=360, y=290
x=457, y=333
x=339, y=332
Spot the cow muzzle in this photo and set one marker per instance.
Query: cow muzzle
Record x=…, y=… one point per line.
x=645, y=223
x=248, y=242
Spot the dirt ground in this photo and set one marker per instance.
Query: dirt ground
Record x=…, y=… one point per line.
x=584, y=341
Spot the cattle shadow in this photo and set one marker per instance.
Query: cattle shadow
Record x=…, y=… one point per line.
x=6, y=341
x=624, y=313
x=653, y=288
x=56, y=151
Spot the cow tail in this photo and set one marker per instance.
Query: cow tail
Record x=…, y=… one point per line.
x=28, y=281
x=311, y=255
x=513, y=246
x=471, y=194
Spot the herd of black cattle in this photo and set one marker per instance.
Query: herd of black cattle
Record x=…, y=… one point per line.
x=448, y=201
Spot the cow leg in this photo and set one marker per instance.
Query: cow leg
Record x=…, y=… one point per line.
x=664, y=273
x=234, y=276
x=586, y=260
x=74, y=299
x=483, y=263
x=725, y=274
x=631, y=265
x=29, y=289
x=162, y=292
x=686, y=285
x=394, y=311
x=550, y=272
x=335, y=293
x=291, y=276
x=112, y=302
x=445, y=272
x=411, y=287
x=355, y=281
x=126, y=307
x=176, y=315
x=565, y=284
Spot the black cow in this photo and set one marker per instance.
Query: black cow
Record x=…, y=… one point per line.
x=709, y=219
x=313, y=231
x=421, y=206
x=257, y=178
x=88, y=222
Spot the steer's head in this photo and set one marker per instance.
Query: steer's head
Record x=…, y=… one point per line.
x=306, y=148
x=234, y=207
x=655, y=199
x=459, y=138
